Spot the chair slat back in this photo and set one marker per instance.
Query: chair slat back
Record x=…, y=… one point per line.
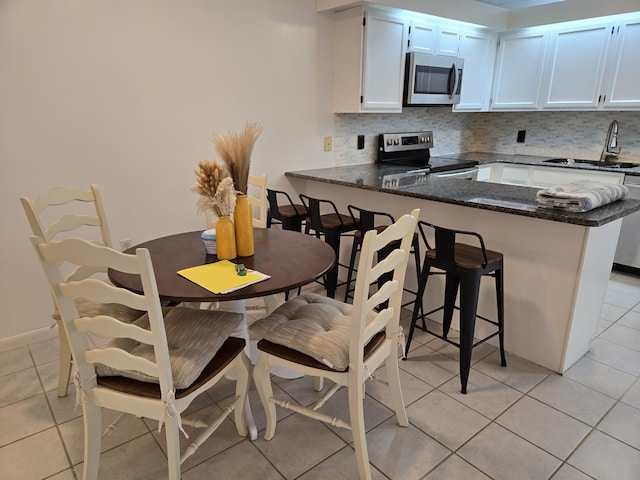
x=69, y=210
x=258, y=199
x=69, y=201
x=388, y=298
x=366, y=219
x=313, y=208
x=76, y=251
x=272, y=198
x=445, y=243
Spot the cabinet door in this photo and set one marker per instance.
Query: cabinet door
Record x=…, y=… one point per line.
x=384, y=58
x=518, y=74
x=576, y=66
x=624, y=79
x=477, y=49
x=422, y=38
x=434, y=39
x=448, y=41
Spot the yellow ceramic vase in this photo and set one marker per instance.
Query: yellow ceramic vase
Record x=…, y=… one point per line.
x=243, y=221
x=225, y=239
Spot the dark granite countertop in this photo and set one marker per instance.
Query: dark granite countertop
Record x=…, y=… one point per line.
x=513, y=199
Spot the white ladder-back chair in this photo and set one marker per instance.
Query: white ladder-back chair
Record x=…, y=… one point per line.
x=61, y=212
x=257, y=193
x=258, y=198
x=323, y=337
x=154, y=367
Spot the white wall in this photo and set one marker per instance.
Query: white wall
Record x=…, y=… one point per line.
x=127, y=94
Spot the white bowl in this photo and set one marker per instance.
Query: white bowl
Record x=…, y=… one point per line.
x=209, y=240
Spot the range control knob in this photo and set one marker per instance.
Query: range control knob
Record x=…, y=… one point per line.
x=389, y=141
x=396, y=141
x=423, y=139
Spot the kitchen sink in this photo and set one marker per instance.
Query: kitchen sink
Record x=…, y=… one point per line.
x=597, y=163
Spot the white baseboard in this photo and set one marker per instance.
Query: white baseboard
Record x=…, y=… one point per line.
x=23, y=339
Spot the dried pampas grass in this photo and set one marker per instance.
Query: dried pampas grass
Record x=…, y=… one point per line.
x=224, y=201
x=235, y=151
x=215, y=187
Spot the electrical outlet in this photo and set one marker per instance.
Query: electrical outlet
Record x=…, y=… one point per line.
x=328, y=144
x=521, y=135
x=125, y=244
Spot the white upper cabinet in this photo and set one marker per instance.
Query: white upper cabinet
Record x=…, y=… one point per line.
x=422, y=37
x=575, y=67
x=582, y=66
x=370, y=48
x=434, y=38
x=586, y=65
x=448, y=41
x=518, y=74
x=478, y=50
x=623, y=82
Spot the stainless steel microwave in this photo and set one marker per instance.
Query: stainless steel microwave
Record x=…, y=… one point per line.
x=432, y=79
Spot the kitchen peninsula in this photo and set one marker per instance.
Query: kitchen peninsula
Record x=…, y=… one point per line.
x=557, y=264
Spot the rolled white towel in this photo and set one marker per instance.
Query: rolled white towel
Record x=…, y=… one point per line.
x=580, y=196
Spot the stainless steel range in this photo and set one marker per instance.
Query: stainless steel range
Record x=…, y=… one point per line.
x=412, y=150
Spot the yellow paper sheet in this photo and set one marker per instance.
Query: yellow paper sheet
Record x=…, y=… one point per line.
x=221, y=277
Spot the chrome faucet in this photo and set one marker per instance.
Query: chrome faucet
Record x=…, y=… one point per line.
x=611, y=148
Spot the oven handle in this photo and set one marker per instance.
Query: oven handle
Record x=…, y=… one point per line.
x=469, y=173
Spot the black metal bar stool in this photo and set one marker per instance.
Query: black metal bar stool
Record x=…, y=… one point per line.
x=289, y=214
x=366, y=220
x=463, y=266
x=332, y=225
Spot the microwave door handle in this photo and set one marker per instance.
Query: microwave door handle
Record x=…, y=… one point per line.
x=453, y=88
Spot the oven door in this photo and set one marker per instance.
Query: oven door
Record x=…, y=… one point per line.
x=433, y=79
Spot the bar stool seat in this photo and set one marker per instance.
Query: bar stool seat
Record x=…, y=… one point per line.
x=463, y=266
x=289, y=214
x=366, y=220
x=332, y=226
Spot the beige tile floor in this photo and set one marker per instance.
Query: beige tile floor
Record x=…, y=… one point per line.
x=519, y=422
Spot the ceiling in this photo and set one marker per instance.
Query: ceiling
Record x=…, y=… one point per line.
x=518, y=4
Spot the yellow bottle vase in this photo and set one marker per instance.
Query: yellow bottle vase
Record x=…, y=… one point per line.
x=243, y=221
x=225, y=239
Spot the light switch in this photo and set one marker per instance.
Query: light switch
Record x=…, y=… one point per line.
x=328, y=144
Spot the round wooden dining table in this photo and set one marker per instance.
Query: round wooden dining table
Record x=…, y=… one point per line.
x=292, y=259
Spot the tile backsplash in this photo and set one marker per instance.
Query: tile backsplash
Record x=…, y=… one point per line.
x=562, y=134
